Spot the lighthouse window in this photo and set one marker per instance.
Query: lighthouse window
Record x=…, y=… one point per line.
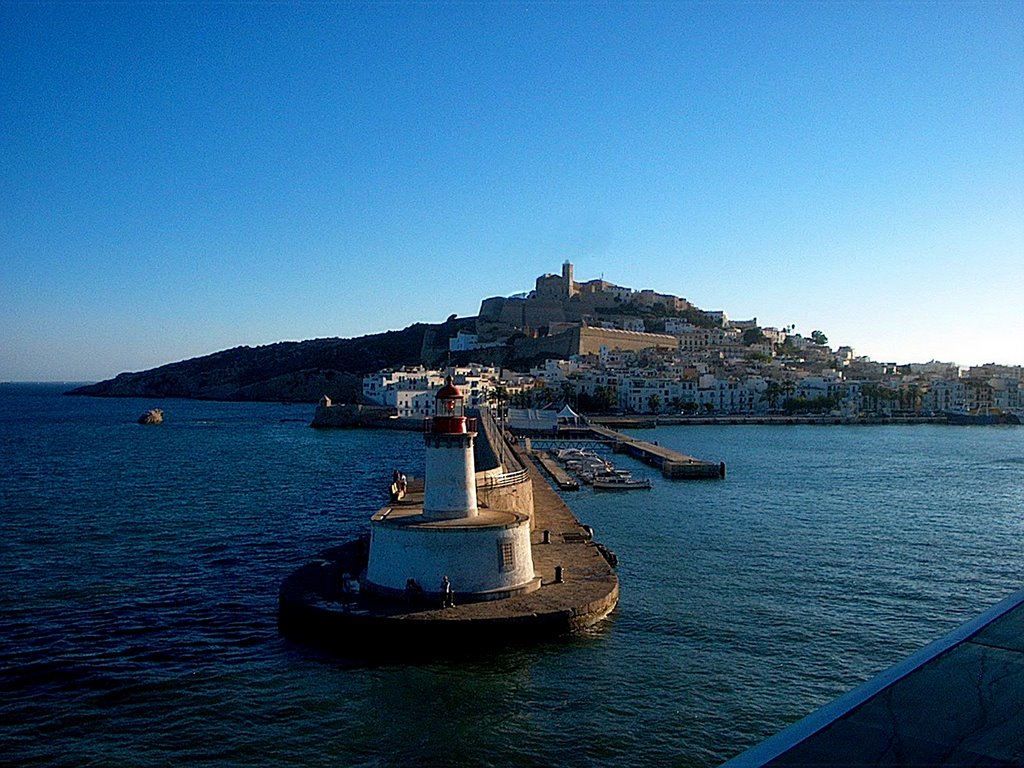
x=506, y=556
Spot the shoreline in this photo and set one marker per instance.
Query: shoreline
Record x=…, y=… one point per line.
x=644, y=422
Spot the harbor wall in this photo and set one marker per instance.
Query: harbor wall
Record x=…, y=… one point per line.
x=511, y=489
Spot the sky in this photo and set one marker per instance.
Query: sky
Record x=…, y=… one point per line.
x=178, y=178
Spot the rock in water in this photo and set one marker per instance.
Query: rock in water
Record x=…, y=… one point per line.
x=152, y=416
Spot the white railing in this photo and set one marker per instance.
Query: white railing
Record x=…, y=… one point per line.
x=504, y=480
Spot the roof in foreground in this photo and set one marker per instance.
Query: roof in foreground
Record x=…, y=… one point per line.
x=956, y=702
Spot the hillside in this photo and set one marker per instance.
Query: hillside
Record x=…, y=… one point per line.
x=289, y=371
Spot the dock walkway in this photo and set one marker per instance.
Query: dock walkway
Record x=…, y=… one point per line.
x=956, y=702
x=559, y=475
x=673, y=465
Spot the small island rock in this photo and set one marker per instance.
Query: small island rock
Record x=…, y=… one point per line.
x=152, y=416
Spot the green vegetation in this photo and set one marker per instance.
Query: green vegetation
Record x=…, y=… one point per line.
x=602, y=401
x=753, y=336
x=787, y=349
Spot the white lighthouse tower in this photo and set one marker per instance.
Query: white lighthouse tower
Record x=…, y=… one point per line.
x=450, y=491
x=448, y=542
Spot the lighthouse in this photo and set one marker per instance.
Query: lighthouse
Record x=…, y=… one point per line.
x=447, y=544
x=450, y=491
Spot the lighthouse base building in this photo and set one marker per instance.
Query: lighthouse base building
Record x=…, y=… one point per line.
x=487, y=558
x=449, y=547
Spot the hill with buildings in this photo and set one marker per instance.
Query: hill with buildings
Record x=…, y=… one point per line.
x=599, y=346
x=559, y=319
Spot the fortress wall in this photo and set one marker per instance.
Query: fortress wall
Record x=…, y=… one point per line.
x=592, y=339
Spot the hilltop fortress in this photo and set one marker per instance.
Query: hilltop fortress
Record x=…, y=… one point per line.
x=558, y=302
x=562, y=317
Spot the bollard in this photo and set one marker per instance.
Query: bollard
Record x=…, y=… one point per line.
x=547, y=537
x=558, y=575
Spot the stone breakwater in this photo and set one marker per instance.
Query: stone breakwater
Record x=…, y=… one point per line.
x=351, y=415
x=322, y=604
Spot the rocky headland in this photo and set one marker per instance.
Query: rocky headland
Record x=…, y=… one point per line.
x=289, y=371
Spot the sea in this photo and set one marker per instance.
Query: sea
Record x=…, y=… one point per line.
x=140, y=568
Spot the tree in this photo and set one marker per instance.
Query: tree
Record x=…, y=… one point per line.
x=498, y=396
x=819, y=338
x=753, y=336
x=606, y=398
x=787, y=349
x=568, y=393
x=654, y=404
x=772, y=393
x=602, y=401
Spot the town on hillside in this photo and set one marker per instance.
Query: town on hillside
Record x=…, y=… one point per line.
x=605, y=349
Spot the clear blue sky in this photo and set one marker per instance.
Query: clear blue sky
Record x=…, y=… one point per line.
x=179, y=178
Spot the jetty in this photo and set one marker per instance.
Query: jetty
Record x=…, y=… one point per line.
x=327, y=602
x=319, y=604
x=673, y=465
x=557, y=473
x=956, y=702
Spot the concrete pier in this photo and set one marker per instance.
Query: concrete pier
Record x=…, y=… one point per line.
x=554, y=469
x=673, y=465
x=956, y=702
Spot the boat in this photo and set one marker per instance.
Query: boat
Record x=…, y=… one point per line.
x=619, y=480
x=986, y=416
x=584, y=464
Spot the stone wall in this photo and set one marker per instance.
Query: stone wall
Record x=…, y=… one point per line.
x=349, y=415
x=509, y=498
x=501, y=488
x=592, y=339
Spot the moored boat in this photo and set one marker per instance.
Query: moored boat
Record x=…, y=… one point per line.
x=981, y=417
x=619, y=481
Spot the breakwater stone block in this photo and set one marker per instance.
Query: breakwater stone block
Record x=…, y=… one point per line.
x=350, y=415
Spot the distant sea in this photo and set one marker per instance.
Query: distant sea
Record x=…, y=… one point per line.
x=139, y=569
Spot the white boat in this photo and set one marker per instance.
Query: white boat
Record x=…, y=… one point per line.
x=619, y=481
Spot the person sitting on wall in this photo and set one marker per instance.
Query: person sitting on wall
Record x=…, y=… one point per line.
x=413, y=590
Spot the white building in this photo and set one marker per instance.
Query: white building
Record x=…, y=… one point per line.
x=410, y=391
x=944, y=395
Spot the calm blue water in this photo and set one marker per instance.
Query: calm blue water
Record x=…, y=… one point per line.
x=139, y=569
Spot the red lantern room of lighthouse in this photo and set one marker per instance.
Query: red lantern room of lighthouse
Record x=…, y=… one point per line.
x=449, y=413
x=450, y=473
